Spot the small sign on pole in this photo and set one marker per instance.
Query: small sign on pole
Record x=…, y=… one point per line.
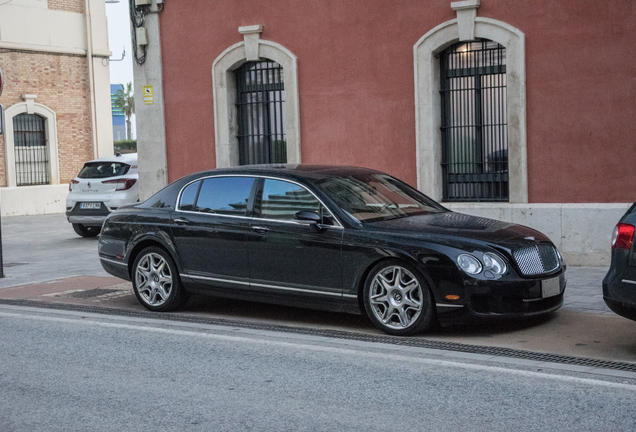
x=149, y=97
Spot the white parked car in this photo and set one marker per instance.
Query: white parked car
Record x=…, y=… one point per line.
x=101, y=186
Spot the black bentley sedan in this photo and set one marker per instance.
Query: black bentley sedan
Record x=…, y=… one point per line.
x=329, y=237
x=619, y=285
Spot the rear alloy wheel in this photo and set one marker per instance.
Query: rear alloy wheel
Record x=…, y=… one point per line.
x=156, y=281
x=397, y=299
x=86, y=231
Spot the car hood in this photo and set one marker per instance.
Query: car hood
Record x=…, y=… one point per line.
x=458, y=227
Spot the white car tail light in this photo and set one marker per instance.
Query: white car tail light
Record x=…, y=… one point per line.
x=122, y=184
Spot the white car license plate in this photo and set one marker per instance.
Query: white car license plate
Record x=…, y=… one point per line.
x=550, y=287
x=94, y=206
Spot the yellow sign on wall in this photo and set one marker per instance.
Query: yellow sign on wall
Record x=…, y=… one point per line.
x=149, y=97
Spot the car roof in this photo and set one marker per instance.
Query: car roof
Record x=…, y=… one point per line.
x=127, y=158
x=310, y=171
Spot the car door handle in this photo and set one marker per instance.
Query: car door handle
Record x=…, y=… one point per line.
x=262, y=230
x=181, y=221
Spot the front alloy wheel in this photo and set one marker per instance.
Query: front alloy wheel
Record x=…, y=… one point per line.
x=156, y=282
x=398, y=302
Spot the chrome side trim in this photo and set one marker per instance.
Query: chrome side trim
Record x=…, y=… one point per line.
x=300, y=222
x=629, y=281
x=448, y=305
x=353, y=296
x=216, y=279
x=297, y=289
x=114, y=262
x=213, y=214
x=262, y=285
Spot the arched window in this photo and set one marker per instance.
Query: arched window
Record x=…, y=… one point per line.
x=429, y=109
x=260, y=106
x=474, y=122
x=31, y=150
x=281, y=114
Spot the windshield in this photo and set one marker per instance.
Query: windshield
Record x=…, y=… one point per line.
x=373, y=197
x=103, y=170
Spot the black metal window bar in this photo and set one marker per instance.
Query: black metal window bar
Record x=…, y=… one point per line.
x=31, y=150
x=260, y=102
x=474, y=123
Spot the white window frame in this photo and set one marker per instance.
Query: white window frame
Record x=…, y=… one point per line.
x=428, y=104
x=225, y=116
x=50, y=127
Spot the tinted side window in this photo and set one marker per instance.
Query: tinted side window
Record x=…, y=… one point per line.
x=188, y=196
x=282, y=200
x=225, y=195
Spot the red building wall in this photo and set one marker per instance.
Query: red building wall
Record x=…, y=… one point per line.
x=356, y=84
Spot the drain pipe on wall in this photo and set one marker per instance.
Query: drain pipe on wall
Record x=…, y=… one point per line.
x=89, y=55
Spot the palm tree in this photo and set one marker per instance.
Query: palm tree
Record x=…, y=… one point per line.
x=125, y=101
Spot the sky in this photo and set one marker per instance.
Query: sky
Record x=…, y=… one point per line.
x=121, y=72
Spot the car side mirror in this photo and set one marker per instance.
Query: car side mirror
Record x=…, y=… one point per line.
x=308, y=216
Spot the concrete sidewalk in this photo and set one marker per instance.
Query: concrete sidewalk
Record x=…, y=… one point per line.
x=584, y=291
x=44, y=248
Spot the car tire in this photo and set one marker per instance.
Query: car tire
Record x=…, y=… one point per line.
x=156, y=281
x=86, y=231
x=397, y=299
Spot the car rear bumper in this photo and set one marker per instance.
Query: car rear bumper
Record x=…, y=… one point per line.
x=619, y=286
x=88, y=217
x=87, y=220
x=622, y=309
x=115, y=267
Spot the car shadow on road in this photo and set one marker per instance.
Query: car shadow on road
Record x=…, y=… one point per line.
x=490, y=327
x=276, y=314
x=294, y=316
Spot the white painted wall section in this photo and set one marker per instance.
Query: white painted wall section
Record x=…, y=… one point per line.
x=582, y=232
x=29, y=25
x=33, y=200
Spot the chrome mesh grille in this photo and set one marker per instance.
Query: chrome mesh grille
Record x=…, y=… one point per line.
x=536, y=259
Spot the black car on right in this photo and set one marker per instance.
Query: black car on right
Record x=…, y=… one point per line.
x=619, y=285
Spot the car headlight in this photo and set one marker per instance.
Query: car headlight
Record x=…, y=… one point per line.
x=494, y=263
x=469, y=264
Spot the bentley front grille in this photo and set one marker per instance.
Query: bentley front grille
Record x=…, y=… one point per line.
x=536, y=259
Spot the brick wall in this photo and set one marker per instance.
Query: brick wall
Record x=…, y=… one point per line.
x=61, y=83
x=67, y=5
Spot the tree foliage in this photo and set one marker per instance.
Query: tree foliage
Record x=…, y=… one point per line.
x=125, y=101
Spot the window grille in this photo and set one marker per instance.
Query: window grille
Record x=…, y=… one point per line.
x=260, y=102
x=31, y=150
x=474, y=123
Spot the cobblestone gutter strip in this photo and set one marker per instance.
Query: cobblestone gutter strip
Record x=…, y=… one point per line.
x=339, y=334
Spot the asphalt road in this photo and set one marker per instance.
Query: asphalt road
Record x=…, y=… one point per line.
x=65, y=371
